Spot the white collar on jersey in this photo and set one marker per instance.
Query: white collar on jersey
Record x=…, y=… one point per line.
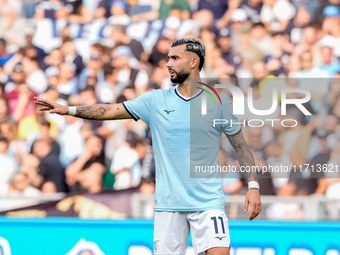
x=187, y=98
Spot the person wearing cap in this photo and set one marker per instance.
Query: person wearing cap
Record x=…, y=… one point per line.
x=320, y=14
x=331, y=23
x=239, y=19
x=16, y=76
x=118, y=13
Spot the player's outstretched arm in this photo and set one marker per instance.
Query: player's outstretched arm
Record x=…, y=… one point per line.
x=246, y=160
x=94, y=112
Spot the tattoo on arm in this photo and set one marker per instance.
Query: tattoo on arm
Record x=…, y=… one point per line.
x=90, y=112
x=244, y=155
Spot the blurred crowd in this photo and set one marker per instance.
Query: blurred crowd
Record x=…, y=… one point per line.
x=83, y=52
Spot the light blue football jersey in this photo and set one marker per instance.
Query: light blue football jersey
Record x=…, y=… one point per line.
x=182, y=138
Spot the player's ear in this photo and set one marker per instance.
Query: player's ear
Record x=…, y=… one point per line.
x=194, y=63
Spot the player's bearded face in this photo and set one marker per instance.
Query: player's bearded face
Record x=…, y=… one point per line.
x=180, y=76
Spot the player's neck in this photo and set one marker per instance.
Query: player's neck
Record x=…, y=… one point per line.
x=186, y=89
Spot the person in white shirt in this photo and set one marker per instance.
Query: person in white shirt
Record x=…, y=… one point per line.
x=36, y=78
x=7, y=163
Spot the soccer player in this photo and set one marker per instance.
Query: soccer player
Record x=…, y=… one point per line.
x=182, y=203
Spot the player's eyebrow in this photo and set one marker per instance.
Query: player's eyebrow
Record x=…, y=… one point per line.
x=173, y=56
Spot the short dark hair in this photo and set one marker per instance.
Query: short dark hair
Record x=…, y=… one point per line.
x=45, y=123
x=108, y=69
x=33, y=59
x=120, y=28
x=192, y=45
x=3, y=41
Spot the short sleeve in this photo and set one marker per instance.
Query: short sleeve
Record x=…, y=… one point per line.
x=284, y=10
x=139, y=108
x=266, y=14
x=232, y=126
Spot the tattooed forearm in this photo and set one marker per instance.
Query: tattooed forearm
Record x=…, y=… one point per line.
x=94, y=112
x=244, y=155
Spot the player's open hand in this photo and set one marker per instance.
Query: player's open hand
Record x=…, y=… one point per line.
x=253, y=201
x=50, y=106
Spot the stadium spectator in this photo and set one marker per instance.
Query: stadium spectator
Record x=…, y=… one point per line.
x=17, y=148
x=20, y=99
x=278, y=58
x=71, y=55
x=129, y=76
x=261, y=39
x=253, y=9
x=19, y=185
x=70, y=140
x=44, y=133
x=29, y=166
x=29, y=124
x=67, y=81
x=50, y=169
x=7, y=163
x=107, y=91
x=4, y=111
x=53, y=9
x=310, y=35
x=35, y=77
x=94, y=68
x=86, y=172
x=119, y=36
x=320, y=12
x=250, y=54
x=295, y=26
x=11, y=28
x=317, y=87
x=276, y=14
x=166, y=6
x=4, y=55
x=123, y=167
x=327, y=63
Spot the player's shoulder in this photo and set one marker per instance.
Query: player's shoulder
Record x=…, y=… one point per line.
x=161, y=92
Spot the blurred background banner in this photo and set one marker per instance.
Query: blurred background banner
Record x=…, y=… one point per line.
x=111, y=204
x=55, y=236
